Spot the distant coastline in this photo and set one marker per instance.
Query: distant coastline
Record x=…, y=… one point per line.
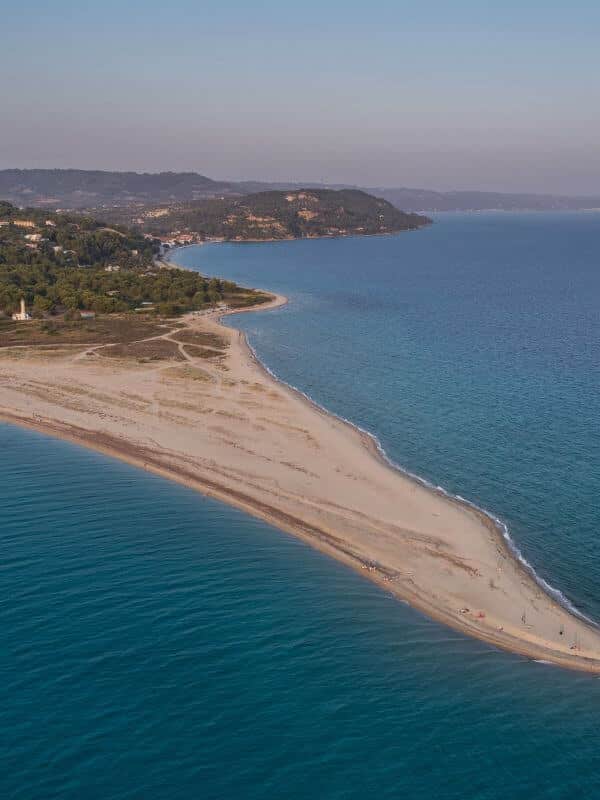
x=165, y=261
x=100, y=189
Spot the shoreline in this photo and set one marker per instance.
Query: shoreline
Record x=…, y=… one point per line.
x=328, y=540
x=371, y=439
x=162, y=260
x=372, y=443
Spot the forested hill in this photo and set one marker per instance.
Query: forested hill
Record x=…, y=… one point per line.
x=278, y=215
x=66, y=263
x=97, y=189
x=78, y=188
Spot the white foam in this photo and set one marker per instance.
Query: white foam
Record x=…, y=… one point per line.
x=500, y=524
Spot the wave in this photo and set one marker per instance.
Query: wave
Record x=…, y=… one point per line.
x=498, y=523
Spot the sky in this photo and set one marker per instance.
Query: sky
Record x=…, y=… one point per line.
x=442, y=95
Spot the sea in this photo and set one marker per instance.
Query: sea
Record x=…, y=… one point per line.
x=157, y=644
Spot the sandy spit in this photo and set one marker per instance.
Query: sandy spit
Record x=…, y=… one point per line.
x=212, y=418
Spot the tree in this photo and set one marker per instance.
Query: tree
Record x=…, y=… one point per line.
x=41, y=305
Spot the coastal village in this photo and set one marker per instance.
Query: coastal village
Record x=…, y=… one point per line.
x=76, y=265
x=62, y=268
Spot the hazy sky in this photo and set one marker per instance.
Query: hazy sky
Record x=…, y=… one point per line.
x=454, y=94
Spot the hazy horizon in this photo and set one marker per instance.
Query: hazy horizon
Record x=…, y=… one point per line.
x=309, y=183
x=461, y=97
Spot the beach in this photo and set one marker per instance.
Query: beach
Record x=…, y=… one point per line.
x=194, y=405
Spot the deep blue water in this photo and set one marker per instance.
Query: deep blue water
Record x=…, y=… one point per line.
x=470, y=348
x=156, y=644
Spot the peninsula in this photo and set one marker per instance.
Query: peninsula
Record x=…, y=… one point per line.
x=101, y=345
x=186, y=399
x=264, y=216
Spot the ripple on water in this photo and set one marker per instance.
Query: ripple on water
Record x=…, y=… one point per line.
x=157, y=644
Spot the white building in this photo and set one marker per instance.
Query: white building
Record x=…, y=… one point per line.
x=22, y=315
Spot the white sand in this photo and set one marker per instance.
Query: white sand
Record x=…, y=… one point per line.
x=228, y=429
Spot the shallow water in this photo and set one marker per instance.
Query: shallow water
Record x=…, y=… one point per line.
x=156, y=644
x=471, y=349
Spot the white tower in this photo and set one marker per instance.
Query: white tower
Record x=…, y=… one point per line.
x=21, y=315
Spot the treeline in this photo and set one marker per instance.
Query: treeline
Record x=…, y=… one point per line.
x=77, y=263
x=49, y=290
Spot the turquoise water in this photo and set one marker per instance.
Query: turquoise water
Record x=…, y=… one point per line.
x=156, y=644
x=470, y=348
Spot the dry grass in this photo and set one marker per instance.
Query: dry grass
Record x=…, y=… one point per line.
x=202, y=338
x=154, y=350
x=123, y=328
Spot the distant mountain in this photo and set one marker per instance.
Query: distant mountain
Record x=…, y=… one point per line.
x=290, y=214
x=95, y=189
x=428, y=200
x=77, y=189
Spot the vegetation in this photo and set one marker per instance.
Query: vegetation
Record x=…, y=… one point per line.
x=65, y=263
x=276, y=215
x=95, y=189
x=153, y=350
x=79, y=189
x=102, y=330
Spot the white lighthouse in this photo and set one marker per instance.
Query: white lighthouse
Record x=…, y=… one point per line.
x=22, y=315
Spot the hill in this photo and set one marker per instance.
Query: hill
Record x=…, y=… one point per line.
x=63, y=263
x=79, y=189
x=73, y=189
x=305, y=213
x=96, y=189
